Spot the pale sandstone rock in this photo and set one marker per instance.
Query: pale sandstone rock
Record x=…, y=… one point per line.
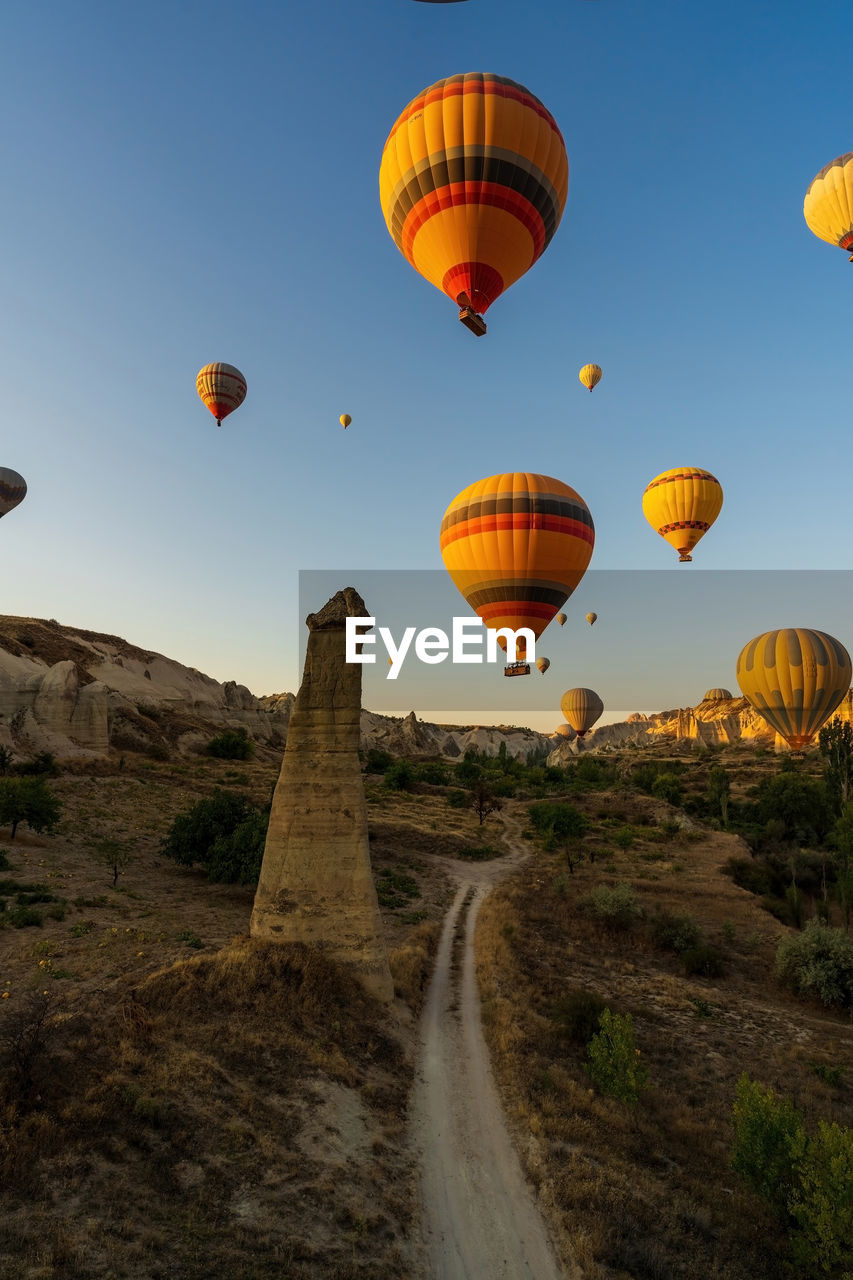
x=316, y=885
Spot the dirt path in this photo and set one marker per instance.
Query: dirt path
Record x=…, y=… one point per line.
x=480, y=1220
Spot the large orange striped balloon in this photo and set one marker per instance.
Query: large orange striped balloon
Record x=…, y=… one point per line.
x=516, y=546
x=222, y=388
x=681, y=505
x=473, y=183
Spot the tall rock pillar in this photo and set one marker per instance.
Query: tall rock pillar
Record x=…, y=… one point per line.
x=316, y=884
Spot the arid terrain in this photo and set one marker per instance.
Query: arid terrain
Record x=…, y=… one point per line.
x=200, y=1105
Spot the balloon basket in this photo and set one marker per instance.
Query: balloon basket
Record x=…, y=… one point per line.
x=685, y=559
x=472, y=321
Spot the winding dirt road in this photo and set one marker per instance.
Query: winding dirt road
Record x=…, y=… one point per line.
x=480, y=1219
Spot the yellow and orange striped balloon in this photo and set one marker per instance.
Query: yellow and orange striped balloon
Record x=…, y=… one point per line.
x=222, y=388
x=516, y=545
x=681, y=505
x=590, y=375
x=473, y=182
x=828, y=206
x=794, y=678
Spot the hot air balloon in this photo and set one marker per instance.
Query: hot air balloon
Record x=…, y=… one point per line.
x=828, y=206
x=795, y=679
x=543, y=664
x=222, y=388
x=473, y=183
x=345, y=420
x=516, y=545
x=565, y=731
x=13, y=489
x=681, y=505
x=561, y=618
x=716, y=695
x=590, y=375
x=581, y=707
x=591, y=617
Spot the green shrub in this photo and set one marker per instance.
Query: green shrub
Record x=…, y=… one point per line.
x=224, y=833
x=377, y=761
x=4, y=859
x=822, y=1202
x=396, y=888
x=818, y=961
x=190, y=938
x=766, y=1130
x=576, y=1014
x=233, y=744
x=667, y=786
x=704, y=960
x=400, y=776
x=617, y=907
x=457, y=799
x=81, y=928
x=433, y=773
x=28, y=800
x=672, y=932
x=624, y=837
x=478, y=852
x=614, y=1059
x=24, y=917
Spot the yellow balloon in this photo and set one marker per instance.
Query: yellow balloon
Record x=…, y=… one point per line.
x=590, y=375
x=681, y=505
x=222, y=388
x=543, y=664
x=795, y=679
x=828, y=206
x=716, y=695
x=345, y=420
x=591, y=617
x=565, y=731
x=561, y=618
x=581, y=707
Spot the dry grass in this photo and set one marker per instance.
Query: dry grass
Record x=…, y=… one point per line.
x=228, y=1110
x=648, y=1194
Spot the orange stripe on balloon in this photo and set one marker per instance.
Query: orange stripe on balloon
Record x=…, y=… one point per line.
x=479, y=193
x=497, y=523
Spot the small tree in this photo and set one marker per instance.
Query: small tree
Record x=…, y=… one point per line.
x=614, y=1059
x=400, y=776
x=115, y=854
x=821, y=1204
x=233, y=744
x=719, y=788
x=483, y=800
x=5, y=760
x=767, y=1130
x=836, y=746
x=28, y=800
x=818, y=961
x=843, y=861
x=667, y=786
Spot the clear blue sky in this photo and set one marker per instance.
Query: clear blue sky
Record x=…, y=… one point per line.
x=196, y=182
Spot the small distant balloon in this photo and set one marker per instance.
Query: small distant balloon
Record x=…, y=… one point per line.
x=590, y=375
x=566, y=731
x=222, y=388
x=591, y=617
x=543, y=664
x=717, y=695
x=345, y=420
x=13, y=490
x=581, y=707
x=561, y=618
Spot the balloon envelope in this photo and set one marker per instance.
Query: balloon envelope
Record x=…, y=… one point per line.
x=590, y=375
x=716, y=695
x=681, y=505
x=222, y=388
x=516, y=545
x=543, y=664
x=561, y=618
x=473, y=182
x=345, y=420
x=828, y=206
x=581, y=707
x=13, y=489
x=795, y=678
x=566, y=731
x=591, y=618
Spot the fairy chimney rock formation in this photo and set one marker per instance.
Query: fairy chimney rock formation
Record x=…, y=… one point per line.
x=316, y=885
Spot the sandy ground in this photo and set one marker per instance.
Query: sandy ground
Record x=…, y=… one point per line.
x=480, y=1219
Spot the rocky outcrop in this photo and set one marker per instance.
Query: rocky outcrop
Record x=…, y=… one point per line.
x=316, y=885
x=409, y=736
